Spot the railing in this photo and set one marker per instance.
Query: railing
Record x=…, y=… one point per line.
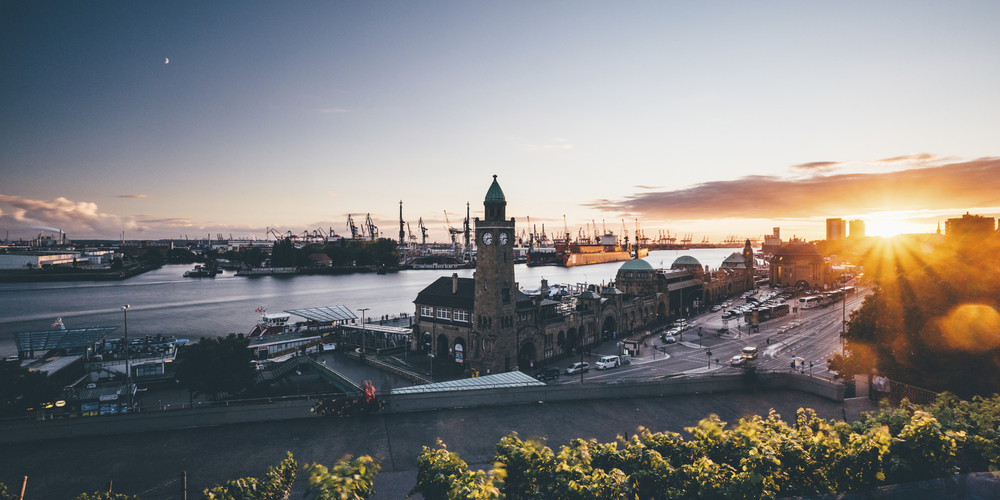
x=899, y=391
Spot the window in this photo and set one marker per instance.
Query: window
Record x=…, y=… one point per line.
x=506, y=295
x=444, y=314
x=462, y=316
x=427, y=311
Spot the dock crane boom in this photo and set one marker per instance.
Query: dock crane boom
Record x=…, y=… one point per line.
x=423, y=231
x=372, y=228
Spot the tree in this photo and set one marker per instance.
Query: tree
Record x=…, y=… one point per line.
x=216, y=365
x=21, y=388
x=284, y=254
x=348, y=479
x=275, y=485
x=153, y=257
x=254, y=257
x=117, y=264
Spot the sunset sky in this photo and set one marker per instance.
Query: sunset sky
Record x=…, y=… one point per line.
x=709, y=118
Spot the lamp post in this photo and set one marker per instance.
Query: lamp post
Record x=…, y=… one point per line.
x=364, y=340
x=128, y=370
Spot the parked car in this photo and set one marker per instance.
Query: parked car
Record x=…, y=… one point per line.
x=667, y=338
x=607, y=362
x=548, y=373
x=737, y=360
x=578, y=367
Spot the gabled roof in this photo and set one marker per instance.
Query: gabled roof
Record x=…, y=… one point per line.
x=439, y=293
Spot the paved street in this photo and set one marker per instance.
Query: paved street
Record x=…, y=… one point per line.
x=815, y=340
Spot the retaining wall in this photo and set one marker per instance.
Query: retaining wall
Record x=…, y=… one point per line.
x=26, y=431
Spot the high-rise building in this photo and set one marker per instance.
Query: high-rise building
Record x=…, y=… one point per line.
x=969, y=225
x=857, y=227
x=836, y=230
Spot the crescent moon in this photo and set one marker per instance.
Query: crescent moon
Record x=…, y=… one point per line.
x=167, y=60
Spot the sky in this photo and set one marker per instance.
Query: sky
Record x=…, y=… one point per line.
x=165, y=119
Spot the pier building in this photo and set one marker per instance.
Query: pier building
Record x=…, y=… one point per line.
x=486, y=324
x=800, y=264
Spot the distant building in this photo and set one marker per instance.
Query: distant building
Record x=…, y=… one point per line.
x=836, y=230
x=969, y=225
x=36, y=260
x=857, y=227
x=772, y=242
x=800, y=264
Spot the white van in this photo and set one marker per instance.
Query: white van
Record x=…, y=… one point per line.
x=749, y=352
x=607, y=362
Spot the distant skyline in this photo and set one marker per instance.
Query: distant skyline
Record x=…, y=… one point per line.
x=195, y=118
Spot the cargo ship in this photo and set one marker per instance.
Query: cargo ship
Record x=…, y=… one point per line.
x=581, y=254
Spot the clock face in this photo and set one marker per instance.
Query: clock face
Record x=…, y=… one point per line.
x=487, y=238
x=503, y=238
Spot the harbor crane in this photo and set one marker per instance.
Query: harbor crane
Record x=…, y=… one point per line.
x=423, y=231
x=352, y=227
x=452, y=231
x=687, y=239
x=372, y=228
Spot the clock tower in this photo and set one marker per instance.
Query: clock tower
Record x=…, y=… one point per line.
x=495, y=320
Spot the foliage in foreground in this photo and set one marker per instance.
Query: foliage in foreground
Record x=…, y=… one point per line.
x=103, y=495
x=216, y=365
x=347, y=480
x=275, y=485
x=758, y=458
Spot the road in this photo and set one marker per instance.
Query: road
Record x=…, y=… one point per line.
x=815, y=340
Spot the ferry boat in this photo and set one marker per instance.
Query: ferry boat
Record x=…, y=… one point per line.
x=209, y=270
x=581, y=254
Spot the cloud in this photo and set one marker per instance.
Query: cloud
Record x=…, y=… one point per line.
x=817, y=166
x=333, y=110
x=132, y=196
x=640, y=186
x=956, y=186
x=80, y=217
x=912, y=159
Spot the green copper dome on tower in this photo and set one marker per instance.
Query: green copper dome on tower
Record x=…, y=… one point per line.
x=495, y=194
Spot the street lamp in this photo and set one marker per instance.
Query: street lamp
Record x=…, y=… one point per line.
x=128, y=370
x=363, y=339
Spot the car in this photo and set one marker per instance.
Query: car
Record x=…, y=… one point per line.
x=607, y=362
x=578, y=367
x=716, y=308
x=749, y=352
x=728, y=314
x=548, y=373
x=737, y=360
x=667, y=338
x=674, y=331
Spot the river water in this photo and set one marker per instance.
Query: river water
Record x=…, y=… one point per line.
x=162, y=301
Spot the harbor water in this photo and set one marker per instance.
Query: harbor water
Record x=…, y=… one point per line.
x=164, y=302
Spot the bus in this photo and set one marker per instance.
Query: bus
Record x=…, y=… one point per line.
x=809, y=302
x=848, y=290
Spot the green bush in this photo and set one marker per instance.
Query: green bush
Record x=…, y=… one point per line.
x=276, y=485
x=347, y=480
x=758, y=458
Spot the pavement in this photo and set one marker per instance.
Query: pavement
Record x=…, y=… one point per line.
x=151, y=463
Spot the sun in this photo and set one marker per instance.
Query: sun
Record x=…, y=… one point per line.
x=888, y=227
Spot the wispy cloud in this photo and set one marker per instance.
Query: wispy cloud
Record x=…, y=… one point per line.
x=64, y=214
x=640, y=186
x=817, y=166
x=916, y=159
x=132, y=196
x=333, y=110
x=956, y=186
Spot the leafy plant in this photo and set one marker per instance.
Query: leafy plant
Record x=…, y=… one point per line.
x=347, y=480
x=275, y=485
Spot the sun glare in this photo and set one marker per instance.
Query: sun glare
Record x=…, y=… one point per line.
x=888, y=227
